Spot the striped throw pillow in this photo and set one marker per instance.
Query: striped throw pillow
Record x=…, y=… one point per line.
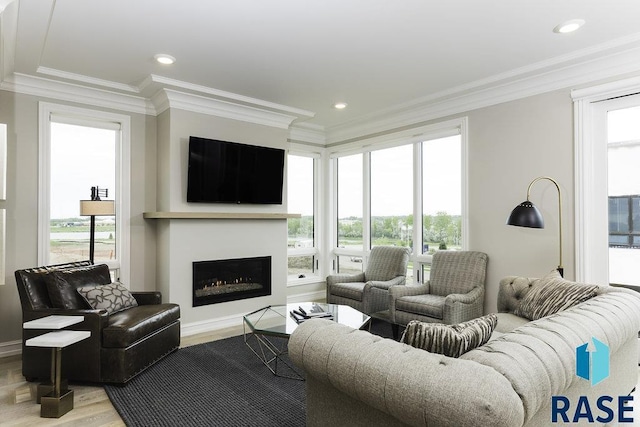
x=450, y=340
x=552, y=294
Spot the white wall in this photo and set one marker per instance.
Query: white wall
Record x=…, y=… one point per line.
x=181, y=242
x=509, y=145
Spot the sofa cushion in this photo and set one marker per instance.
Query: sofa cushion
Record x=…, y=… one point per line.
x=128, y=326
x=552, y=294
x=424, y=305
x=507, y=322
x=351, y=290
x=113, y=297
x=450, y=340
x=62, y=285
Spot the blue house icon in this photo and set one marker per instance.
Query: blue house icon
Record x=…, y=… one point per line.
x=592, y=363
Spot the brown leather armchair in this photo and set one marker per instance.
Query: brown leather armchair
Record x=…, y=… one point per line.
x=122, y=344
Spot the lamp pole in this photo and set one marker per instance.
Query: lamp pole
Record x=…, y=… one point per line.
x=560, y=267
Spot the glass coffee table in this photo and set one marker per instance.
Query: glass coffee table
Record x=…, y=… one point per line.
x=267, y=330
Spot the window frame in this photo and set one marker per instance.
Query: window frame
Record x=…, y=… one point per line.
x=314, y=251
x=414, y=136
x=59, y=113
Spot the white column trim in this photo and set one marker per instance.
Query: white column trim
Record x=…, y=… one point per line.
x=590, y=158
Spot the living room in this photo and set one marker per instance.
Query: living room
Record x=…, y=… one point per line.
x=516, y=122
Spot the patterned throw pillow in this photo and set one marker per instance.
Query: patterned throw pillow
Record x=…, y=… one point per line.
x=552, y=294
x=113, y=297
x=450, y=340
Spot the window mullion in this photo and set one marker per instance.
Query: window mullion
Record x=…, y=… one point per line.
x=366, y=202
x=418, y=233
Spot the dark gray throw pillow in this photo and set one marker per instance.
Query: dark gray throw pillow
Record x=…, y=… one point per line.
x=450, y=340
x=113, y=297
x=552, y=294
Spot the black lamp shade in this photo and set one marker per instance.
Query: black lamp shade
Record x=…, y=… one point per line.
x=526, y=214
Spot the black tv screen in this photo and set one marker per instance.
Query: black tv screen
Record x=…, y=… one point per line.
x=229, y=172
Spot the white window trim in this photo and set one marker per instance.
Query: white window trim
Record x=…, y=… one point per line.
x=123, y=177
x=590, y=157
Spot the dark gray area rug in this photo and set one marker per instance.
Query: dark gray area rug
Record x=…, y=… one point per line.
x=221, y=383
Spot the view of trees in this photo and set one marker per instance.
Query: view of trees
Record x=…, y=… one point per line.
x=440, y=231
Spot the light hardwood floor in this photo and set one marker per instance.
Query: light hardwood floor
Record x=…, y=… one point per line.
x=91, y=406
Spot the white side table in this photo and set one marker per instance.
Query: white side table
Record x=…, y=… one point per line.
x=55, y=398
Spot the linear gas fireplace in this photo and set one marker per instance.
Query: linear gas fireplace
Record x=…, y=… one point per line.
x=231, y=279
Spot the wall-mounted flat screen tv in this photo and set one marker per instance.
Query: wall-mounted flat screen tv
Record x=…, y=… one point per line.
x=230, y=172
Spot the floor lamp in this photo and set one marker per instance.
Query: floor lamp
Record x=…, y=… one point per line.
x=96, y=207
x=526, y=214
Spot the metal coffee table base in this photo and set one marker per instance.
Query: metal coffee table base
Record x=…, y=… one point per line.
x=271, y=354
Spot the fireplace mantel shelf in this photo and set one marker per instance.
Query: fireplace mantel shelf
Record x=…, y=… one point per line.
x=218, y=215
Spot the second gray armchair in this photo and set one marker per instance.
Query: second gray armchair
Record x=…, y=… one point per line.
x=453, y=294
x=368, y=291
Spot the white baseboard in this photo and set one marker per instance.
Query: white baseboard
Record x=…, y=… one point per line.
x=317, y=296
x=204, y=326
x=10, y=348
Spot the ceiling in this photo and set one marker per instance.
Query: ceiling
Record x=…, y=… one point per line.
x=375, y=55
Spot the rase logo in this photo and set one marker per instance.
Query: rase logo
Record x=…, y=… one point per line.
x=592, y=364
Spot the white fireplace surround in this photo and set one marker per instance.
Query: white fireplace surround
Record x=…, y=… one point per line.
x=185, y=240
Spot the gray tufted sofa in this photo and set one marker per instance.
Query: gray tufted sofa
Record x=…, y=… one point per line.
x=359, y=379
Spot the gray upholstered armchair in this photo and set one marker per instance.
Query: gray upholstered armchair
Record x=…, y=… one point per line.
x=368, y=291
x=453, y=294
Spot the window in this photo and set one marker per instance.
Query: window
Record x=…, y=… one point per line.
x=381, y=192
x=392, y=196
x=301, y=195
x=607, y=152
x=81, y=149
x=350, y=202
x=81, y=157
x=623, y=148
x=441, y=194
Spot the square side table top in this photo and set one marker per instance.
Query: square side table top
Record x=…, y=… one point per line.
x=58, y=339
x=52, y=322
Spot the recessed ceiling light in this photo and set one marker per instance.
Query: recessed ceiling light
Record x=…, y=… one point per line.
x=164, y=59
x=340, y=105
x=569, y=26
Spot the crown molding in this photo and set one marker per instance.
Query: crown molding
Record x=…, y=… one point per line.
x=307, y=133
x=154, y=82
x=46, y=88
x=607, y=90
x=86, y=80
x=580, y=68
x=155, y=94
x=199, y=104
x=259, y=112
